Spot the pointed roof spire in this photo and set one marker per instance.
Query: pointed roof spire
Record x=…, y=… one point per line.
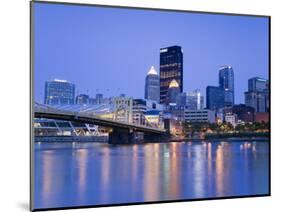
x=174, y=84
x=152, y=71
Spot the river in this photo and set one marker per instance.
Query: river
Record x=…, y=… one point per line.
x=77, y=174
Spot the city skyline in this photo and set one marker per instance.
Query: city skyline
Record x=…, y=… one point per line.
x=247, y=56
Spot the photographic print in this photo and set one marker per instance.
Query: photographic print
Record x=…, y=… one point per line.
x=135, y=105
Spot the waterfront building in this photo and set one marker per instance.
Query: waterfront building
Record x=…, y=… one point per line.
x=173, y=92
x=59, y=92
x=231, y=118
x=257, y=95
x=152, y=85
x=140, y=106
x=153, y=118
x=215, y=97
x=262, y=117
x=139, y=109
x=123, y=108
x=226, y=82
x=202, y=115
x=244, y=113
x=82, y=99
x=171, y=68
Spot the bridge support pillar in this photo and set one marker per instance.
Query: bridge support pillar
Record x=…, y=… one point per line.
x=121, y=136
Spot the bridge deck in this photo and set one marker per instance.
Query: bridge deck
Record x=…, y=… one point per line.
x=91, y=119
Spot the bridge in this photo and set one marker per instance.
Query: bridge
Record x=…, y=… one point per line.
x=121, y=132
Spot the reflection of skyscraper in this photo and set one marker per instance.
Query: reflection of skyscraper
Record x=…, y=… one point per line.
x=215, y=97
x=59, y=92
x=257, y=95
x=226, y=82
x=173, y=92
x=171, y=68
x=152, y=85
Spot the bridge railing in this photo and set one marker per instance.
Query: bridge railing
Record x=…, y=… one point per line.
x=47, y=109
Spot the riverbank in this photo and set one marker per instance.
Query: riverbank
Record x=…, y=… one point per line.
x=52, y=139
x=238, y=135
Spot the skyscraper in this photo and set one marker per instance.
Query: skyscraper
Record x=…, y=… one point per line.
x=215, y=97
x=152, y=85
x=171, y=68
x=257, y=84
x=173, y=92
x=226, y=82
x=194, y=100
x=257, y=95
x=59, y=92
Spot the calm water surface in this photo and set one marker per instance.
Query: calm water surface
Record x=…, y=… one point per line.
x=75, y=174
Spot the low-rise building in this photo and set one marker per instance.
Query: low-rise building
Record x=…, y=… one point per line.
x=231, y=118
x=262, y=117
x=203, y=115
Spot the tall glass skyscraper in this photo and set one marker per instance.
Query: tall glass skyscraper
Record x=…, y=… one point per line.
x=226, y=82
x=59, y=92
x=171, y=68
x=257, y=95
x=215, y=97
x=152, y=85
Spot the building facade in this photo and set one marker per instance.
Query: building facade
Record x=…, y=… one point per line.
x=215, y=97
x=59, y=92
x=204, y=115
x=152, y=85
x=257, y=84
x=243, y=113
x=82, y=99
x=231, y=118
x=173, y=92
x=257, y=95
x=123, y=109
x=139, y=109
x=171, y=68
x=226, y=82
x=194, y=100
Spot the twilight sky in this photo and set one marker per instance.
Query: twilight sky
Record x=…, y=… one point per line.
x=109, y=51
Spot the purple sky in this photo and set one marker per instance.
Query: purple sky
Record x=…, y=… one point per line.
x=109, y=50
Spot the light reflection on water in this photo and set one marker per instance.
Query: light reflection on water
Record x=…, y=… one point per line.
x=74, y=174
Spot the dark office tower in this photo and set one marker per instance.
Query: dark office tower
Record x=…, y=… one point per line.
x=59, y=92
x=171, y=68
x=152, y=85
x=215, y=97
x=226, y=82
